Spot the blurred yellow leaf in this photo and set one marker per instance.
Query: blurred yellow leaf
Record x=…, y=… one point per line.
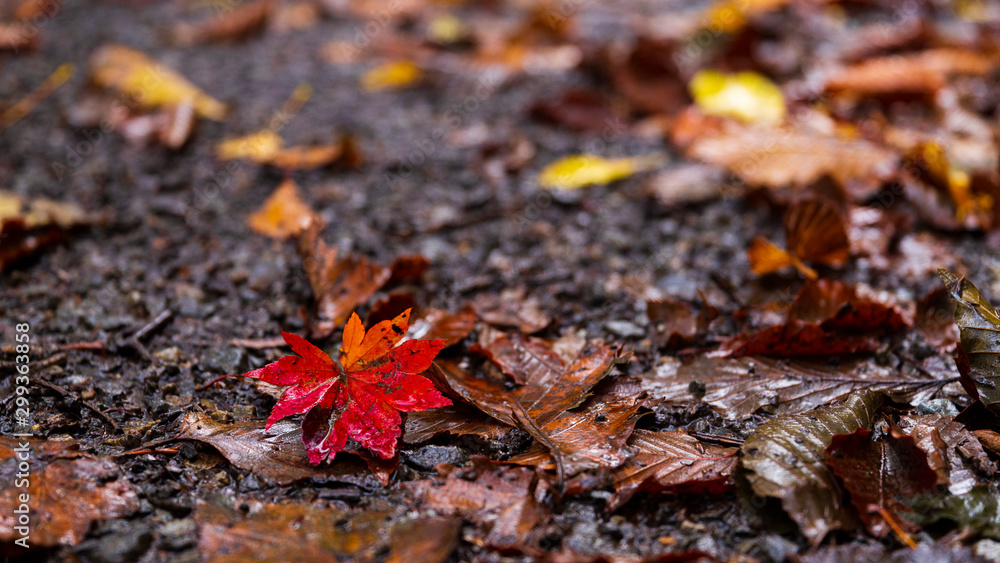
x=149, y=83
x=746, y=95
x=284, y=214
x=581, y=170
x=391, y=76
x=446, y=29
x=260, y=146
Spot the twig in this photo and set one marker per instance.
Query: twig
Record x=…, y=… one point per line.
x=63, y=392
x=208, y=384
x=152, y=325
x=150, y=451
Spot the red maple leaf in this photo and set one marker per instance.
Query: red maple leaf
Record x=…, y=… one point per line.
x=360, y=396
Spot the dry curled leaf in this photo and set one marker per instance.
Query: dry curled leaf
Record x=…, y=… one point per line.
x=913, y=73
x=231, y=24
x=953, y=452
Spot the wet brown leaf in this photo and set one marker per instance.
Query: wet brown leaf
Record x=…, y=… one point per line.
x=647, y=76
x=672, y=461
x=737, y=388
x=438, y=323
x=589, y=437
x=674, y=323
x=341, y=281
x=276, y=455
x=457, y=420
x=784, y=459
x=511, y=308
x=880, y=471
x=506, y=501
x=979, y=325
x=796, y=339
x=68, y=492
x=577, y=110
x=836, y=305
x=308, y=532
x=953, y=452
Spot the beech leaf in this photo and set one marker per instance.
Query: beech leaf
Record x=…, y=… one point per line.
x=979, y=325
x=784, y=459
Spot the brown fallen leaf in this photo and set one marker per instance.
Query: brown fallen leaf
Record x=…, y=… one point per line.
x=68, y=491
x=275, y=455
x=924, y=72
x=672, y=461
x=284, y=213
x=647, y=76
x=29, y=225
x=687, y=183
x=815, y=231
x=952, y=451
x=408, y=269
x=674, y=323
x=340, y=280
x=557, y=384
x=307, y=532
x=14, y=37
x=507, y=501
x=511, y=308
x=881, y=471
x=232, y=24
x=796, y=339
x=266, y=147
x=576, y=109
x=784, y=459
x=523, y=358
x=432, y=324
x=789, y=156
x=978, y=322
x=589, y=437
x=838, y=306
x=737, y=388
x=457, y=420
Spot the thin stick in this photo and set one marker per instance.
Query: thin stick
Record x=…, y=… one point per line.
x=44, y=90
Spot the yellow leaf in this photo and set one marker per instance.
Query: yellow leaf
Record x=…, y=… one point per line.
x=730, y=16
x=391, y=76
x=446, y=29
x=748, y=96
x=581, y=170
x=284, y=214
x=260, y=147
x=149, y=83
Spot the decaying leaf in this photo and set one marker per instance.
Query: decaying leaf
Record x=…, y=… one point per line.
x=748, y=96
x=815, y=231
x=796, y=339
x=838, y=306
x=784, y=459
x=68, y=492
x=149, y=83
x=307, y=532
x=672, y=461
x=880, y=472
x=582, y=170
x=737, y=388
x=359, y=397
x=267, y=147
x=508, y=499
x=340, y=280
x=284, y=213
x=674, y=323
x=28, y=225
x=979, y=324
x=275, y=454
x=952, y=451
